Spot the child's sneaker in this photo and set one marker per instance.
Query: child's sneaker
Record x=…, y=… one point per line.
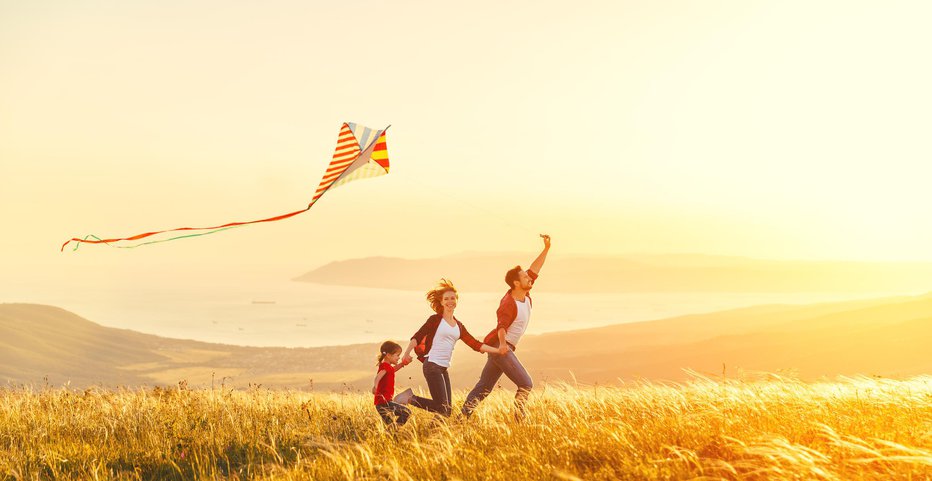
x=404, y=397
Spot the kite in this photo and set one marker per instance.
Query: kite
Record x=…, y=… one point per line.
x=361, y=153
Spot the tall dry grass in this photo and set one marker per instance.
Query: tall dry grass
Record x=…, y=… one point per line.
x=852, y=429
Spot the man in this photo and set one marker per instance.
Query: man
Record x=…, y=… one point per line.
x=514, y=315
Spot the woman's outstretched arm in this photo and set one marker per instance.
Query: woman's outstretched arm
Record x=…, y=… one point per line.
x=477, y=345
x=406, y=358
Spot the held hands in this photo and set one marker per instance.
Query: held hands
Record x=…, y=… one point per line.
x=406, y=360
x=503, y=349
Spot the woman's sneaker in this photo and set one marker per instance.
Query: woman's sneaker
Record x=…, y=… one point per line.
x=404, y=397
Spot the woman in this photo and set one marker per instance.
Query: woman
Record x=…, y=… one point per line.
x=433, y=343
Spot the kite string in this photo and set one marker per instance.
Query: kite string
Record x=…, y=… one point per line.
x=520, y=226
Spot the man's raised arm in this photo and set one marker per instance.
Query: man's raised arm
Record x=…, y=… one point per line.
x=539, y=262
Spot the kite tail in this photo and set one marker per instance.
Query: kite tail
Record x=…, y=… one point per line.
x=92, y=239
x=345, y=167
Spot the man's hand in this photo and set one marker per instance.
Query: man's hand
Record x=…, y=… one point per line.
x=406, y=360
x=546, y=240
x=503, y=349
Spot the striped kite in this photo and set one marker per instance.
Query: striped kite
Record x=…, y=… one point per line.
x=361, y=153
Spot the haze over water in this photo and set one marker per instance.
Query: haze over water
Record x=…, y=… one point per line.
x=296, y=314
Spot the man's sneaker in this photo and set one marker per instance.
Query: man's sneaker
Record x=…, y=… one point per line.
x=404, y=397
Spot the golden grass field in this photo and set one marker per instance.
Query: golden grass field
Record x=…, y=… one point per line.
x=851, y=429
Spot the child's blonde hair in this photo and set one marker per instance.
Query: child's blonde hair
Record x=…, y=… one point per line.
x=388, y=347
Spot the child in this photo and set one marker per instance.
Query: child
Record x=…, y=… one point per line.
x=384, y=385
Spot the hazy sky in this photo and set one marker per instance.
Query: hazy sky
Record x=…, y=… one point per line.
x=790, y=129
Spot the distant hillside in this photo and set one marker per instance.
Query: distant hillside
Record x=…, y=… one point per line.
x=39, y=342
x=645, y=273
x=886, y=337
